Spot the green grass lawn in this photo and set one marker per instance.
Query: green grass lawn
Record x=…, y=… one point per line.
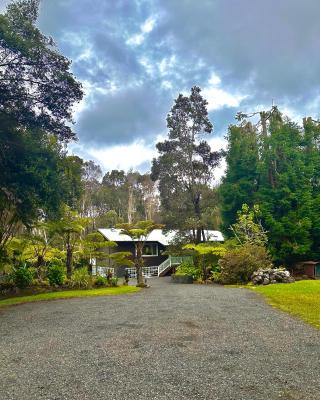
x=301, y=299
x=69, y=294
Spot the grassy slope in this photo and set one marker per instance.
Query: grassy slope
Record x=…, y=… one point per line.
x=69, y=294
x=301, y=299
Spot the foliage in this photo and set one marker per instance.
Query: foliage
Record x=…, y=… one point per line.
x=92, y=244
x=122, y=258
x=36, y=85
x=238, y=264
x=69, y=294
x=69, y=228
x=114, y=281
x=56, y=273
x=275, y=165
x=100, y=281
x=188, y=268
x=139, y=232
x=240, y=181
x=184, y=168
x=22, y=276
x=118, y=198
x=32, y=168
x=206, y=256
x=80, y=278
x=248, y=228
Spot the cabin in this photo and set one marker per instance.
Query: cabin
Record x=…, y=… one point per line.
x=156, y=263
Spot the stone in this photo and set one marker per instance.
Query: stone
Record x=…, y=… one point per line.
x=272, y=275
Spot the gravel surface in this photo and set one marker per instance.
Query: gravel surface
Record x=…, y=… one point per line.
x=170, y=341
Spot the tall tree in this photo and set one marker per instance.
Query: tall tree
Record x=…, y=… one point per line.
x=184, y=168
x=36, y=85
x=285, y=192
x=240, y=182
x=91, y=176
x=32, y=168
x=281, y=178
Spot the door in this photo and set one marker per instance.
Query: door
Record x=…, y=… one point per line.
x=317, y=271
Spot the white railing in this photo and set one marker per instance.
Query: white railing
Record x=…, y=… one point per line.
x=157, y=271
x=147, y=272
x=172, y=261
x=165, y=265
x=101, y=271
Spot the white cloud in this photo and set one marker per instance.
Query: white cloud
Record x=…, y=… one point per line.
x=148, y=25
x=217, y=97
x=125, y=157
x=145, y=28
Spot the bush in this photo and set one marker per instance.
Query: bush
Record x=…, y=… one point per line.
x=80, y=278
x=22, y=276
x=114, y=281
x=40, y=283
x=187, y=268
x=100, y=281
x=216, y=274
x=6, y=286
x=56, y=273
x=238, y=264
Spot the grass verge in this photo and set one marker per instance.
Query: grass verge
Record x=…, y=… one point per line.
x=69, y=294
x=301, y=299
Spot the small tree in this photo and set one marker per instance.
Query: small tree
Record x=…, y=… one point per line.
x=248, y=228
x=69, y=228
x=207, y=254
x=139, y=233
x=40, y=244
x=92, y=244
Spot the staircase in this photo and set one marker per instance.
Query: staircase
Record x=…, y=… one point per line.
x=171, y=262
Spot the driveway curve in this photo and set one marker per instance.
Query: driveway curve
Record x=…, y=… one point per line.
x=166, y=342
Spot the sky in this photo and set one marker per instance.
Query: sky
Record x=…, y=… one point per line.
x=135, y=56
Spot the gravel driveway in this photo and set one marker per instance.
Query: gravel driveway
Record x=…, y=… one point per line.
x=167, y=342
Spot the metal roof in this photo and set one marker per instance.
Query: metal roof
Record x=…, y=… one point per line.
x=157, y=235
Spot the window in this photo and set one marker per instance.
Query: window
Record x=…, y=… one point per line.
x=150, y=249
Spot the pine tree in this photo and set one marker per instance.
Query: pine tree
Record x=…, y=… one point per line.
x=241, y=180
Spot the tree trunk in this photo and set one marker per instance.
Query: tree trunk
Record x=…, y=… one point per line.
x=264, y=117
x=130, y=205
x=69, y=262
x=139, y=267
x=197, y=212
x=140, y=279
x=39, y=265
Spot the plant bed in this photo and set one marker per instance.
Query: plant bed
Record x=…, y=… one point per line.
x=66, y=294
x=182, y=278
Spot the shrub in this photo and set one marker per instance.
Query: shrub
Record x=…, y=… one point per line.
x=216, y=273
x=56, y=273
x=187, y=268
x=80, y=278
x=22, y=276
x=100, y=281
x=114, y=281
x=6, y=285
x=238, y=264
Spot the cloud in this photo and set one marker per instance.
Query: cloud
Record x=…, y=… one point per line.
x=146, y=28
x=136, y=156
x=136, y=56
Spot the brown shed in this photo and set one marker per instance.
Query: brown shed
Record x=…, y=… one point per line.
x=309, y=268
